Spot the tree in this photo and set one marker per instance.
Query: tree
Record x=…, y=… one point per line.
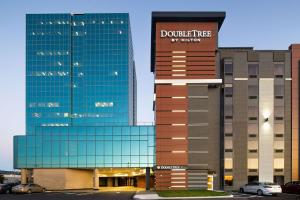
x=1, y=178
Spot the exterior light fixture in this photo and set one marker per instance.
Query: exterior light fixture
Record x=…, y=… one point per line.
x=266, y=119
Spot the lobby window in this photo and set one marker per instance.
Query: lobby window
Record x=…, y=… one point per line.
x=279, y=70
x=228, y=180
x=253, y=70
x=252, y=179
x=279, y=180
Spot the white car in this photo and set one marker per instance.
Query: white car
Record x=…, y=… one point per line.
x=261, y=188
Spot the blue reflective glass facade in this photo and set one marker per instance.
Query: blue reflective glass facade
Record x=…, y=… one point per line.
x=79, y=70
x=81, y=95
x=86, y=147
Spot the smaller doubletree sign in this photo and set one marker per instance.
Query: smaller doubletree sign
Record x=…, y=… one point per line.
x=185, y=36
x=168, y=167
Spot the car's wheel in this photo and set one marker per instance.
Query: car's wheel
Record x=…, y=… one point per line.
x=241, y=190
x=29, y=191
x=260, y=192
x=7, y=192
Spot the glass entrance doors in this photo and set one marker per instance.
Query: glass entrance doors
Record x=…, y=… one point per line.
x=117, y=181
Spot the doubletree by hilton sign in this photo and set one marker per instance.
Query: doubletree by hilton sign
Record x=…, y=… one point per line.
x=185, y=36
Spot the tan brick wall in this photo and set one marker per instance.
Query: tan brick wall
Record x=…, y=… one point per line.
x=60, y=179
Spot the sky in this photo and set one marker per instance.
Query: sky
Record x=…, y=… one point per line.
x=262, y=24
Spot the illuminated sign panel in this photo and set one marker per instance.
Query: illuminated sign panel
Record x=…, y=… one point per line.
x=185, y=36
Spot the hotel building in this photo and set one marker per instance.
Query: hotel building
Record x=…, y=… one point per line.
x=224, y=116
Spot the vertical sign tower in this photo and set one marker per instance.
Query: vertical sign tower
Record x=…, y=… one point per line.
x=187, y=98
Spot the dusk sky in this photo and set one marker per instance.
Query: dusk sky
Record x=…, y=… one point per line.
x=262, y=24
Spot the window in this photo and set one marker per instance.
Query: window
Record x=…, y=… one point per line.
x=279, y=70
x=278, y=163
x=228, y=68
x=279, y=180
x=279, y=90
x=228, y=163
x=253, y=91
x=252, y=128
x=278, y=144
x=252, y=163
x=252, y=179
x=228, y=111
x=228, y=91
x=228, y=128
x=228, y=144
x=252, y=70
x=228, y=71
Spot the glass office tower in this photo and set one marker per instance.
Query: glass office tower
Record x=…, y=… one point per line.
x=79, y=70
x=81, y=102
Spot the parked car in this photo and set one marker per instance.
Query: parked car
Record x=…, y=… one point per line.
x=291, y=187
x=261, y=188
x=7, y=187
x=28, y=188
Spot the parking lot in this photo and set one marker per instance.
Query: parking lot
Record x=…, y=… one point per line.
x=69, y=196
x=92, y=195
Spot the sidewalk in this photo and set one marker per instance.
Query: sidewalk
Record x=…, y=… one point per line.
x=154, y=195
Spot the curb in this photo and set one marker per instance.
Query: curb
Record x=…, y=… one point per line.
x=155, y=196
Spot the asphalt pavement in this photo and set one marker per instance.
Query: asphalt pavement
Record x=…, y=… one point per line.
x=69, y=195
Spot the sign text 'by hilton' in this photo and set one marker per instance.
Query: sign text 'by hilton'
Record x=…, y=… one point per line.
x=185, y=36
